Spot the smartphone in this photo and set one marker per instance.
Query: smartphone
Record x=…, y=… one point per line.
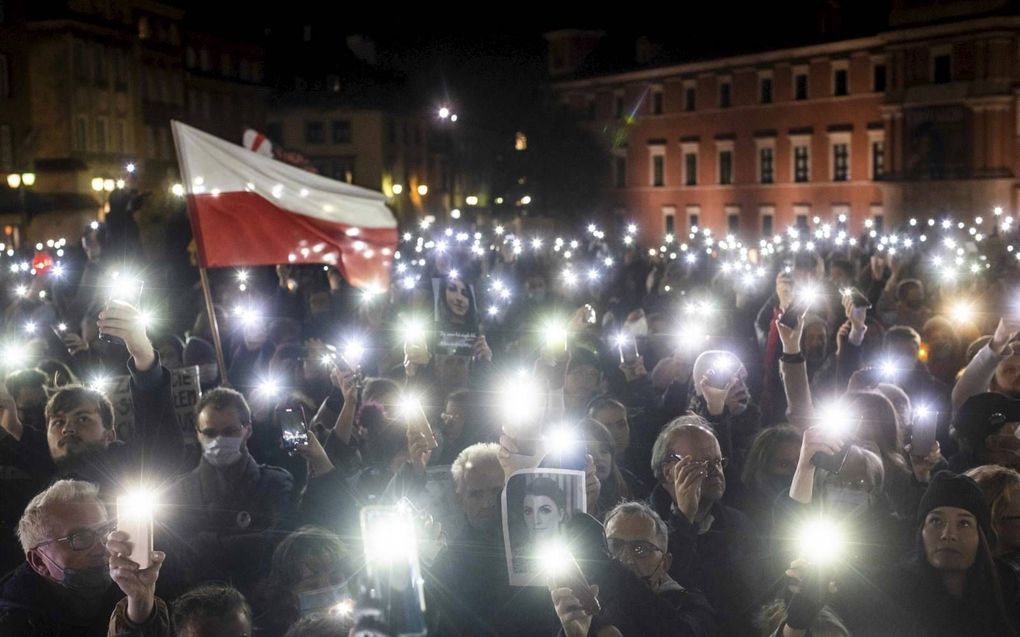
x=134, y=517
x=127, y=290
x=570, y=453
x=574, y=579
x=923, y=430
x=392, y=568
x=628, y=349
x=590, y=316
x=294, y=428
x=832, y=462
x=858, y=298
x=792, y=315
x=721, y=372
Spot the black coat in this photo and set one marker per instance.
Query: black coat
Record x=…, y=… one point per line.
x=725, y=563
x=31, y=606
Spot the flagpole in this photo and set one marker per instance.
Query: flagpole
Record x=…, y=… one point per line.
x=207, y=293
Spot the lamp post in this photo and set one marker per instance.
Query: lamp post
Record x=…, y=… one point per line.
x=105, y=185
x=21, y=182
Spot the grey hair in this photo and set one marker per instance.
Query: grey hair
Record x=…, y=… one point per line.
x=478, y=453
x=34, y=527
x=642, y=509
x=681, y=425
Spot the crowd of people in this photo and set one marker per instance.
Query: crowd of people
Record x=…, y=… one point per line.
x=817, y=434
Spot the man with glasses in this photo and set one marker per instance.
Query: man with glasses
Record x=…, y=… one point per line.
x=65, y=586
x=713, y=546
x=638, y=539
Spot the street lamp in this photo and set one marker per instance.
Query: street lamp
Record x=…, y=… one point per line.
x=423, y=190
x=22, y=182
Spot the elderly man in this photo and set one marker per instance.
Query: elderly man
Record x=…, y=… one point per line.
x=713, y=546
x=65, y=585
x=469, y=581
x=80, y=441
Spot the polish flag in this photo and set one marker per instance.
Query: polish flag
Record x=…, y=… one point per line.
x=249, y=209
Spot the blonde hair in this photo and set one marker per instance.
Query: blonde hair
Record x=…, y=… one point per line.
x=998, y=484
x=34, y=527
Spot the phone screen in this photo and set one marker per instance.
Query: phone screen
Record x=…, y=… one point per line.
x=293, y=428
x=391, y=563
x=923, y=429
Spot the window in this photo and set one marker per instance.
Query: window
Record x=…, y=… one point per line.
x=732, y=220
x=765, y=90
x=341, y=131
x=5, y=77
x=343, y=169
x=315, y=133
x=99, y=65
x=768, y=216
x=800, y=86
x=690, y=96
x=520, y=141
x=942, y=68
x=726, y=167
x=101, y=134
x=693, y=217
x=877, y=159
x=669, y=219
x=766, y=169
x=6, y=147
x=878, y=78
x=119, y=135
x=81, y=62
x=725, y=96
x=657, y=103
x=658, y=170
x=840, y=82
x=878, y=217
x=801, y=218
x=841, y=162
x=801, y=163
x=620, y=171
x=691, y=169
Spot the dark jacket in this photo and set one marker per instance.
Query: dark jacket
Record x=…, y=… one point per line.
x=32, y=606
x=154, y=451
x=724, y=563
x=469, y=592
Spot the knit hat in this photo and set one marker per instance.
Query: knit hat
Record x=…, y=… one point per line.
x=982, y=414
x=948, y=489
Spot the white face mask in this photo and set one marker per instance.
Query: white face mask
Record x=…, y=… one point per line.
x=222, y=451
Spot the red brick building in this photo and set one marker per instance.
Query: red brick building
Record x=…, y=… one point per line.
x=912, y=121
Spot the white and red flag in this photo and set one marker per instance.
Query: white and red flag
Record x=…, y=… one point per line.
x=249, y=209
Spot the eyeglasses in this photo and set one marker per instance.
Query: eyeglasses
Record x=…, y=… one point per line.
x=718, y=463
x=84, y=539
x=639, y=548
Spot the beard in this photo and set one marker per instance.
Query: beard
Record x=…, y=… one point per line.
x=82, y=453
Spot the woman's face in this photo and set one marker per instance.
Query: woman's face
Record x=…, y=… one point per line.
x=603, y=455
x=783, y=461
x=1007, y=375
x=457, y=298
x=1007, y=526
x=453, y=419
x=950, y=536
x=542, y=515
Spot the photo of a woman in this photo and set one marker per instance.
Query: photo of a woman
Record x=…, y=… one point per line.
x=537, y=504
x=544, y=509
x=455, y=304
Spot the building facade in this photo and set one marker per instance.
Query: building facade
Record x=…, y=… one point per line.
x=915, y=121
x=90, y=91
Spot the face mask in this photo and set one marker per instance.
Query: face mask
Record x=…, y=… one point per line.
x=322, y=599
x=222, y=451
x=87, y=582
x=847, y=500
x=638, y=328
